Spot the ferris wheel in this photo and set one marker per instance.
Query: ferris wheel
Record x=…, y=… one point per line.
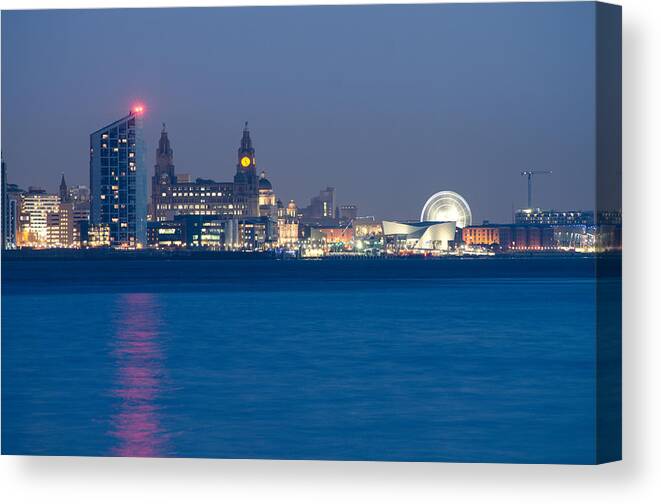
x=447, y=206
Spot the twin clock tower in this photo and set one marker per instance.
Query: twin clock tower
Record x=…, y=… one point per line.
x=172, y=195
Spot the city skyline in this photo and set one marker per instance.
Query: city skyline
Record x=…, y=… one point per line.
x=352, y=122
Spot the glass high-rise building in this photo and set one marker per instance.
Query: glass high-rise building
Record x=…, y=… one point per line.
x=118, y=181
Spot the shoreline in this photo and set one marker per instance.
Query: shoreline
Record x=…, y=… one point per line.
x=219, y=255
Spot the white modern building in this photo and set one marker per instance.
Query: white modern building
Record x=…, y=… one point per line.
x=420, y=236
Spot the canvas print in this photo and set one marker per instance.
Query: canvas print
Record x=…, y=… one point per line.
x=377, y=232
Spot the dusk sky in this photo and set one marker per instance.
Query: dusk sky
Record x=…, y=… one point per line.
x=388, y=104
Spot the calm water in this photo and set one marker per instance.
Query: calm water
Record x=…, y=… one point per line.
x=400, y=360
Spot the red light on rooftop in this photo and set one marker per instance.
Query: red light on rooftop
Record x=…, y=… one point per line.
x=138, y=109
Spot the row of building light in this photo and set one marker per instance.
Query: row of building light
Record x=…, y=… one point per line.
x=246, y=215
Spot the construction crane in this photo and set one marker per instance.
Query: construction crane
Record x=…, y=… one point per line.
x=529, y=174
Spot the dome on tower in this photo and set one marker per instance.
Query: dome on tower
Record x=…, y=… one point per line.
x=264, y=182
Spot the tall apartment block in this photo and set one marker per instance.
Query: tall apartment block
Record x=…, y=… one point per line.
x=118, y=181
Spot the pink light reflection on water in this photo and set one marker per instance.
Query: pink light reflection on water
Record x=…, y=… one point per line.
x=139, y=359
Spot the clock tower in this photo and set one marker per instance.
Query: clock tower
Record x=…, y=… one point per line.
x=246, y=166
x=246, y=181
x=163, y=175
x=164, y=167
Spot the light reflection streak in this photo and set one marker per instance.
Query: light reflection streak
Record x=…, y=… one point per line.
x=139, y=359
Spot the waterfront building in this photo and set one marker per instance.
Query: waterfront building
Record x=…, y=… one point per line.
x=257, y=233
x=174, y=194
x=204, y=231
x=418, y=236
x=11, y=216
x=199, y=197
x=520, y=237
x=64, y=225
x=321, y=210
x=267, y=202
x=529, y=237
x=5, y=205
x=348, y=213
x=34, y=207
x=534, y=238
x=366, y=227
x=53, y=230
x=506, y=236
x=81, y=218
x=548, y=237
x=78, y=229
x=609, y=230
x=537, y=216
x=190, y=231
x=483, y=235
x=288, y=224
x=96, y=235
x=574, y=236
x=332, y=238
x=11, y=197
x=165, y=234
x=609, y=217
x=80, y=214
x=608, y=237
x=292, y=209
x=367, y=235
x=118, y=181
x=60, y=227
x=250, y=233
x=288, y=232
x=79, y=195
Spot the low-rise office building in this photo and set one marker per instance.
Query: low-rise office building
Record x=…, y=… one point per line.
x=189, y=231
x=35, y=206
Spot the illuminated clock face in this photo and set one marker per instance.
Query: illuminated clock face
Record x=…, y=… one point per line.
x=245, y=161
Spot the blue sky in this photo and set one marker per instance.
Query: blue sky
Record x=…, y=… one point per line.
x=388, y=104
